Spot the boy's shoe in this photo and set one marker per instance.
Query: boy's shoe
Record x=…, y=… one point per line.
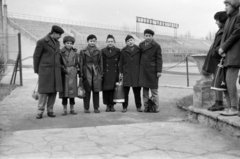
x=73, y=112
x=52, y=115
x=146, y=110
x=229, y=112
x=216, y=108
x=139, y=110
x=124, y=110
x=96, y=111
x=108, y=109
x=64, y=113
x=112, y=108
x=39, y=116
x=86, y=111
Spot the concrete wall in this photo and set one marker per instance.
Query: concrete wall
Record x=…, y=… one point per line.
x=28, y=46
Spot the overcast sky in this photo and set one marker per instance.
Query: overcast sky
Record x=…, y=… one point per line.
x=193, y=15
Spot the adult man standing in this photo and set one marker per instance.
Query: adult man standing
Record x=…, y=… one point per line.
x=47, y=65
x=150, y=68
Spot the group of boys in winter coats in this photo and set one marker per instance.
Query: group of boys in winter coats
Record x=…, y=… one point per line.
x=226, y=47
x=98, y=70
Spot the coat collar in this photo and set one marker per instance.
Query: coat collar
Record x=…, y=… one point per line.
x=234, y=13
x=95, y=52
x=149, y=46
x=50, y=42
x=72, y=54
x=220, y=31
x=109, y=54
x=127, y=49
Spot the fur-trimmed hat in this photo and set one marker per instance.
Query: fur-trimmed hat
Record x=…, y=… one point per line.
x=110, y=36
x=91, y=37
x=148, y=31
x=221, y=16
x=68, y=38
x=128, y=37
x=233, y=3
x=57, y=29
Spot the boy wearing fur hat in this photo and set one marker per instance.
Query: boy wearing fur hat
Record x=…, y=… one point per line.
x=213, y=58
x=230, y=48
x=70, y=68
x=91, y=68
x=129, y=71
x=111, y=56
x=150, y=68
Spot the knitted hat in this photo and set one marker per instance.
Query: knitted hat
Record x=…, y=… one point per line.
x=57, y=29
x=128, y=37
x=148, y=31
x=233, y=3
x=110, y=36
x=91, y=37
x=221, y=16
x=68, y=38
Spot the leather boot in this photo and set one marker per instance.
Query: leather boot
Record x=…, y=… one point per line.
x=112, y=108
x=72, y=110
x=64, y=110
x=108, y=108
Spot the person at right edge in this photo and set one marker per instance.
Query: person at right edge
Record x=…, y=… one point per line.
x=150, y=68
x=213, y=59
x=230, y=48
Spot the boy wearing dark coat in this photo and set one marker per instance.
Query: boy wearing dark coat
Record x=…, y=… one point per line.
x=47, y=64
x=129, y=71
x=150, y=68
x=213, y=58
x=69, y=74
x=111, y=56
x=91, y=68
x=230, y=48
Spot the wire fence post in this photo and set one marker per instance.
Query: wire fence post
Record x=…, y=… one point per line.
x=187, y=71
x=20, y=58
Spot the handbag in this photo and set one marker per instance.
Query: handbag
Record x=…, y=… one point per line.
x=118, y=96
x=35, y=94
x=81, y=91
x=219, y=82
x=151, y=106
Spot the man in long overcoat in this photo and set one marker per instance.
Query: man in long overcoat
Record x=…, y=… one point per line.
x=230, y=49
x=129, y=70
x=47, y=65
x=150, y=68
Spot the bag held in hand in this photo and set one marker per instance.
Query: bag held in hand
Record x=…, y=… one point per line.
x=118, y=96
x=219, y=82
x=81, y=91
x=35, y=94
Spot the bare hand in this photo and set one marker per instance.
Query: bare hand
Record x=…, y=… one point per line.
x=159, y=74
x=120, y=76
x=220, y=51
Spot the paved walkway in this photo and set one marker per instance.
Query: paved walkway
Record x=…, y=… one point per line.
x=163, y=135
x=162, y=140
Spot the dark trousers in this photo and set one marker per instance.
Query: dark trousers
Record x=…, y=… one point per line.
x=108, y=97
x=137, y=96
x=87, y=98
x=65, y=101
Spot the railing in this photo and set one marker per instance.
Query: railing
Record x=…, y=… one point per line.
x=64, y=21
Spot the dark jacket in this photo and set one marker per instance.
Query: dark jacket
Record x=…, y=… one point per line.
x=129, y=66
x=231, y=40
x=213, y=58
x=91, y=68
x=47, y=65
x=150, y=65
x=110, y=67
x=70, y=68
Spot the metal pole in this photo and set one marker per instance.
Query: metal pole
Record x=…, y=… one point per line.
x=20, y=58
x=5, y=31
x=187, y=71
